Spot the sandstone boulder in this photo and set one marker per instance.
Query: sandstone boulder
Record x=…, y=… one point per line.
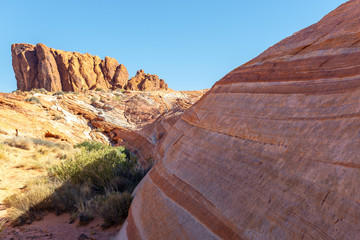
x=270, y=152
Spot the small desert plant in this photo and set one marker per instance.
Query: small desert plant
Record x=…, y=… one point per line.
x=57, y=117
x=60, y=93
x=94, y=99
x=39, y=90
x=33, y=100
x=20, y=142
x=121, y=90
x=115, y=208
x=17, y=91
x=99, y=89
x=90, y=146
x=27, y=143
x=50, y=144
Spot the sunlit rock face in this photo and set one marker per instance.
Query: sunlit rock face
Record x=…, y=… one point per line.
x=38, y=66
x=270, y=152
x=134, y=119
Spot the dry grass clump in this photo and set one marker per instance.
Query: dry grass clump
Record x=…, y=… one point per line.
x=33, y=100
x=2, y=225
x=20, y=142
x=95, y=179
x=31, y=203
x=43, y=153
x=2, y=152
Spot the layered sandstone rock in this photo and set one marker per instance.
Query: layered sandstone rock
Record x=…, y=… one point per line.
x=270, y=152
x=55, y=70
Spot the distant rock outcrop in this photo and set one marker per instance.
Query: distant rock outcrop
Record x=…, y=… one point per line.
x=270, y=152
x=144, y=81
x=56, y=70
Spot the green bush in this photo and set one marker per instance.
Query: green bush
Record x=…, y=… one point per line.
x=115, y=208
x=94, y=99
x=60, y=93
x=39, y=90
x=95, y=180
x=95, y=164
x=57, y=117
x=91, y=145
x=33, y=100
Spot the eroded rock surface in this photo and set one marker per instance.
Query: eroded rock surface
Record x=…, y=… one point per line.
x=56, y=70
x=270, y=152
x=122, y=118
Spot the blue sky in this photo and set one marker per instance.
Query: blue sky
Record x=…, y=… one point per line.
x=190, y=44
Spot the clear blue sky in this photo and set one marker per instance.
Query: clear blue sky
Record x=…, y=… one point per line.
x=190, y=44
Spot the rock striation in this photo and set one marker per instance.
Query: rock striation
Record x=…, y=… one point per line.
x=38, y=66
x=270, y=152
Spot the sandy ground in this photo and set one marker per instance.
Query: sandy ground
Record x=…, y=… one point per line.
x=12, y=177
x=58, y=227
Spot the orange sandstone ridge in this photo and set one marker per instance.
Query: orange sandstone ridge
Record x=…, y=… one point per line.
x=270, y=152
x=56, y=70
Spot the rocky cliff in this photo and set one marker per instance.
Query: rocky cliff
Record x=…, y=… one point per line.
x=55, y=70
x=122, y=118
x=270, y=152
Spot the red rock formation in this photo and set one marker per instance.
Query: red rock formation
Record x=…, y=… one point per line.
x=270, y=152
x=146, y=82
x=55, y=70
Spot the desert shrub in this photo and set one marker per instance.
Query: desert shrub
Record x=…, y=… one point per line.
x=99, y=89
x=94, y=99
x=26, y=143
x=86, y=210
x=95, y=180
x=50, y=144
x=60, y=93
x=20, y=142
x=30, y=204
x=57, y=117
x=33, y=100
x=97, y=167
x=115, y=208
x=39, y=90
x=65, y=198
x=91, y=146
